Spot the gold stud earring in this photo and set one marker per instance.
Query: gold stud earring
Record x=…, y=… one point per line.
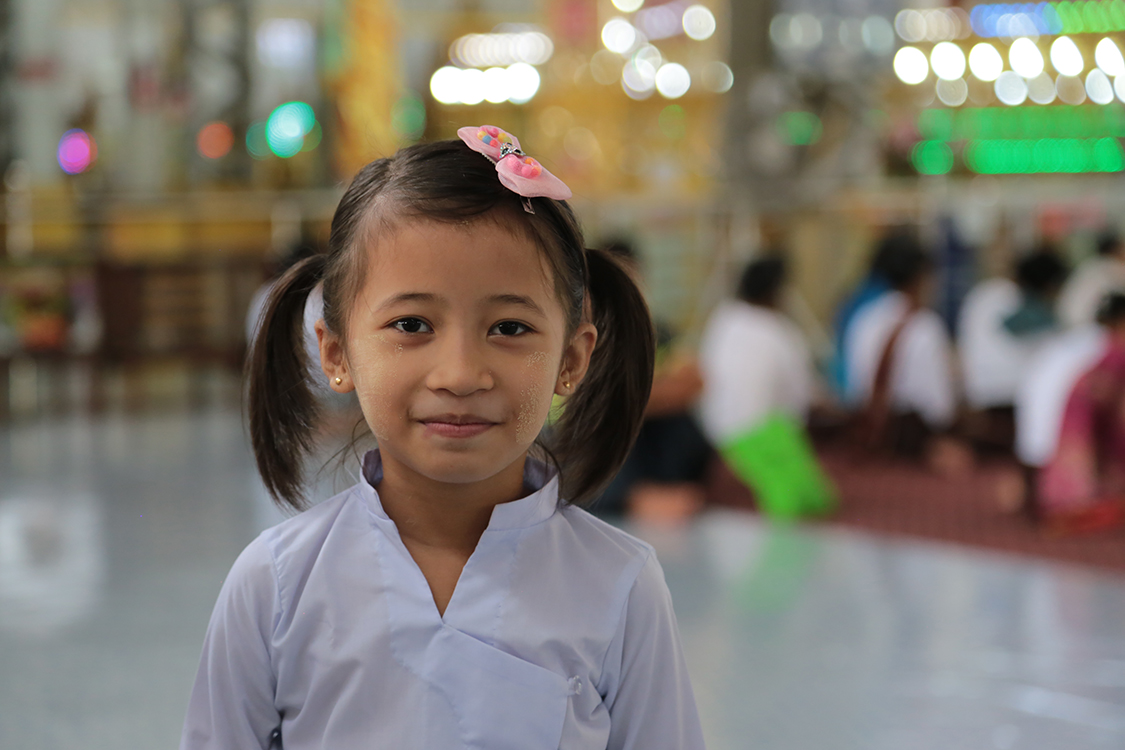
x=339, y=381
x=566, y=384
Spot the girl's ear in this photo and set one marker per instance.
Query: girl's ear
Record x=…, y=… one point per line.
x=333, y=360
x=576, y=359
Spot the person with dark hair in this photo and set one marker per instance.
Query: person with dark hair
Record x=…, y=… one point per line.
x=758, y=387
x=1095, y=277
x=1081, y=488
x=873, y=286
x=457, y=595
x=661, y=480
x=901, y=366
x=1004, y=322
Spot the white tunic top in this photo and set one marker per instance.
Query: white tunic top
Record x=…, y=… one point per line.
x=1041, y=401
x=560, y=634
x=755, y=363
x=921, y=377
x=1087, y=286
x=993, y=360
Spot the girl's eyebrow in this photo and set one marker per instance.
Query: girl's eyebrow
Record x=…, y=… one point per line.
x=496, y=299
x=519, y=300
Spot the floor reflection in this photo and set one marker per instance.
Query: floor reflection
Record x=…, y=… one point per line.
x=115, y=536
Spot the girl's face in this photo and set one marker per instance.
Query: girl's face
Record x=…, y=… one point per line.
x=455, y=345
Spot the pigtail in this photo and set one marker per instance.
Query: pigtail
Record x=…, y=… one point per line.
x=603, y=416
x=283, y=410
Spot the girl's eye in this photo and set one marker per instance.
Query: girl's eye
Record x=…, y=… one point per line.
x=412, y=325
x=509, y=328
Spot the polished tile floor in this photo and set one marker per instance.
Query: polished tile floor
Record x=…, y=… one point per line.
x=115, y=536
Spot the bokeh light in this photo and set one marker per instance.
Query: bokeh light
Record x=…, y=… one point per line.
x=952, y=93
x=1066, y=57
x=256, y=144
x=1011, y=88
x=503, y=49
x=628, y=6
x=673, y=121
x=408, y=117
x=1071, y=89
x=672, y=80
x=1025, y=58
x=878, y=36
x=698, y=22
x=287, y=127
x=985, y=62
x=799, y=128
x=77, y=151
x=911, y=65
x=444, y=85
x=932, y=157
x=1107, y=55
x=638, y=79
x=717, y=77
x=1098, y=87
x=1041, y=89
x=948, y=61
x=618, y=35
x=214, y=140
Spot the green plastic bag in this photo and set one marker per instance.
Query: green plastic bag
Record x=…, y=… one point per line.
x=777, y=462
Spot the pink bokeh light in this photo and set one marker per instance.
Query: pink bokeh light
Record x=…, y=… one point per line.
x=77, y=151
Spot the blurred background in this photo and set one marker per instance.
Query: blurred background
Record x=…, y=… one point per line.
x=884, y=459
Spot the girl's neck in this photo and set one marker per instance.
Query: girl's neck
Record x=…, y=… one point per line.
x=442, y=515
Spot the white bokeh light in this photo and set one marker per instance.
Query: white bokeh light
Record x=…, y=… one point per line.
x=1108, y=57
x=911, y=65
x=1041, y=89
x=1066, y=57
x=628, y=6
x=948, y=61
x=672, y=80
x=1025, y=57
x=618, y=35
x=445, y=85
x=471, y=84
x=717, y=77
x=1098, y=87
x=985, y=62
x=523, y=82
x=496, y=86
x=698, y=22
x=1071, y=89
x=1011, y=89
x=638, y=78
x=1119, y=87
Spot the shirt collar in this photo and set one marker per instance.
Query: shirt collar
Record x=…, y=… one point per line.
x=540, y=482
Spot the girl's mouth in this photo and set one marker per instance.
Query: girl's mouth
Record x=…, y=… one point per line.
x=457, y=425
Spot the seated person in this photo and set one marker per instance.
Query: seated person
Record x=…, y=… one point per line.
x=661, y=479
x=1082, y=486
x=1092, y=280
x=1003, y=324
x=900, y=361
x=754, y=359
x=757, y=389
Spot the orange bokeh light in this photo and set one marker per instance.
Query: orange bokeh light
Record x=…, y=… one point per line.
x=215, y=140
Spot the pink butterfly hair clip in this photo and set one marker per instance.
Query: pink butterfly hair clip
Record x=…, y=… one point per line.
x=518, y=172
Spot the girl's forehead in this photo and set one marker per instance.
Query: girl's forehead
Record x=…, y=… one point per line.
x=456, y=256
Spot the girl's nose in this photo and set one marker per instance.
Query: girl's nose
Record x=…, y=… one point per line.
x=461, y=367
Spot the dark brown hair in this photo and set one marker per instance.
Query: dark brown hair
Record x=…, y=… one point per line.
x=448, y=182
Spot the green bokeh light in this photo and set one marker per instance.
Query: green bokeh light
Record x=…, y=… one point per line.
x=408, y=117
x=256, y=142
x=932, y=157
x=287, y=127
x=673, y=122
x=1045, y=156
x=799, y=128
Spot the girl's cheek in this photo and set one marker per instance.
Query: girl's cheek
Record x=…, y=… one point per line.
x=535, y=400
x=374, y=362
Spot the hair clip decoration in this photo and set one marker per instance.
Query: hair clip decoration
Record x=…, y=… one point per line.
x=518, y=172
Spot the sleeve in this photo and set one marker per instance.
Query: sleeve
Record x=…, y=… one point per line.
x=232, y=702
x=648, y=694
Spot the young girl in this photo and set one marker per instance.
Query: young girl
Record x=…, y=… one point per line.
x=455, y=597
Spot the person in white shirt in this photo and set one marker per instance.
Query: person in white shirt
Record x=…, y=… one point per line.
x=1003, y=324
x=901, y=369
x=1092, y=280
x=457, y=596
x=753, y=358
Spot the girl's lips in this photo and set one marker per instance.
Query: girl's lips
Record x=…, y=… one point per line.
x=449, y=429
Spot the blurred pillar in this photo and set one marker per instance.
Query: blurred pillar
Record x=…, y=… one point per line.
x=7, y=145
x=751, y=55
x=368, y=83
x=211, y=73
x=37, y=116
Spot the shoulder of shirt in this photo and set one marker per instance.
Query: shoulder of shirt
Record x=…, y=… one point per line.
x=613, y=547
x=305, y=532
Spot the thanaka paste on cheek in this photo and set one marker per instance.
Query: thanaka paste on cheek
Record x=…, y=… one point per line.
x=372, y=369
x=535, y=402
